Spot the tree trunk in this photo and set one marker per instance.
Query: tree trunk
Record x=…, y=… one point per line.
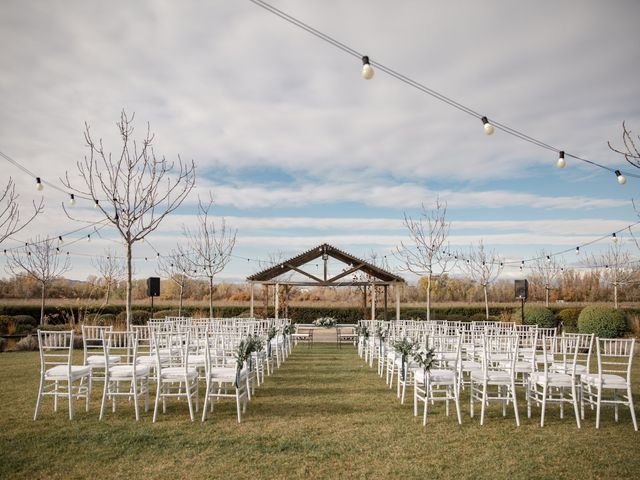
x=44, y=287
x=210, y=297
x=129, y=285
x=106, y=300
x=546, y=295
x=486, y=301
x=180, y=299
x=429, y=297
x=615, y=296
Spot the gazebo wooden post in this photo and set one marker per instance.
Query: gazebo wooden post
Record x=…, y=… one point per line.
x=364, y=301
x=266, y=300
x=251, y=307
x=276, y=301
x=397, y=301
x=373, y=301
x=386, y=287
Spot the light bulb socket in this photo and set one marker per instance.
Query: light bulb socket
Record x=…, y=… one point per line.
x=485, y=121
x=365, y=60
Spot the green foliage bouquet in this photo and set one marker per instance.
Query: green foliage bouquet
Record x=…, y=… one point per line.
x=404, y=347
x=326, y=322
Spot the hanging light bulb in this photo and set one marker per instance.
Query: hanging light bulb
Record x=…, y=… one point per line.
x=561, y=161
x=615, y=239
x=577, y=250
x=621, y=178
x=89, y=237
x=97, y=204
x=60, y=239
x=548, y=258
x=72, y=201
x=367, y=69
x=39, y=185
x=488, y=128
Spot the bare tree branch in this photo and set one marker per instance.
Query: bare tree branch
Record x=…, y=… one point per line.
x=175, y=266
x=10, y=223
x=42, y=261
x=424, y=253
x=210, y=248
x=484, y=267
x=134, y=191
x=547, y=268
x=111, y=268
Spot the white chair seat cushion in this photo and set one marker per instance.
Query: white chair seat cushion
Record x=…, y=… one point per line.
x=554, y=379
x=438, y=376
x=493, y=377
x=471, y=365
x=100, y=360
x=225, y=374
x=178, y=373
x=62, y=371
x=560, y=367
x=127, y=370
x=151, y=359
x=197, y=360
x=608, y=380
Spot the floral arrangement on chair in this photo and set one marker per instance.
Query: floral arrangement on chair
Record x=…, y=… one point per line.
x=404, y=347
x=270, y=334
x=326, y=322
x=362, y=331
x=424, y=356
x=248, y=345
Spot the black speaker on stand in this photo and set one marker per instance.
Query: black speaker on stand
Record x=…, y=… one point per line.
x=522, y=292
x=153, y=289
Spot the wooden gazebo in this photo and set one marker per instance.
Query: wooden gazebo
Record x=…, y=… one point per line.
x=376, y=276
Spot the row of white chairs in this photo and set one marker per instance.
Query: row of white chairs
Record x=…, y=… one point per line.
x=494, y=359
x=177, y=354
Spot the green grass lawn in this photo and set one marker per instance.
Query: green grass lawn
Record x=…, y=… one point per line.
x=323, y=414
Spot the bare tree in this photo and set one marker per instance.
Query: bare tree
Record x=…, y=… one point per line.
x=484, y=267
x=631, y=153
x=616, y=268
x=175, y=266
x=423, y=254
x=111, y=270
x=134, y=191
x=42, y=261
x=547, y=268
x=10, y=212
x=210, y=247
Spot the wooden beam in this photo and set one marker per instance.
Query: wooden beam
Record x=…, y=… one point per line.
x=345, y=273
x=306, y=274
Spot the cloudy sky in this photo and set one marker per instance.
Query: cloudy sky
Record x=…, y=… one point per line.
x=298, y=149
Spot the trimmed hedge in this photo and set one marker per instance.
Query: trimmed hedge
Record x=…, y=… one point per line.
x=138, y=317
x=568, y=318
x=165, y=313
x=604, y=322
x=540, y=316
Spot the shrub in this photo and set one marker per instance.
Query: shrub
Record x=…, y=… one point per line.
x=7, y=325
x=27, y=344
x=456, y=317
x=165, y=313
x=58, y=328
x=23, y=329
x=539, y=316
x=57, y=317
x=138, y=317
x=569, y=319
x=26, y=320
x=602, y=321
x=3, y=344
x=106, y=319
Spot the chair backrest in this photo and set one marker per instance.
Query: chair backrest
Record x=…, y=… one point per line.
x=447, y=349
x=584, y=345
x=499, y=352
x=564, y=358
x=92, y=343
x=56, y=348
x=144, y=338
x=121, y=344
x=175, y=345
x=615, y=356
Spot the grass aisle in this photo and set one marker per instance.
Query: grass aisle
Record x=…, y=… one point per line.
x=324, y=414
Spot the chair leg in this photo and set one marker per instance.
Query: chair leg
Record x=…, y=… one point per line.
x=55, y=396
x=598, y=404
x=631, y=409
x=134, y=385
x=70, y=395
x=37, y=412
x=188, y=391
x=544, y=404
x=484, y=402
x=515, y=402
x=88, y=398
x=575, y=403
x=238, y=404
x=157, y=403
x=456, y=393
x=104, y=398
